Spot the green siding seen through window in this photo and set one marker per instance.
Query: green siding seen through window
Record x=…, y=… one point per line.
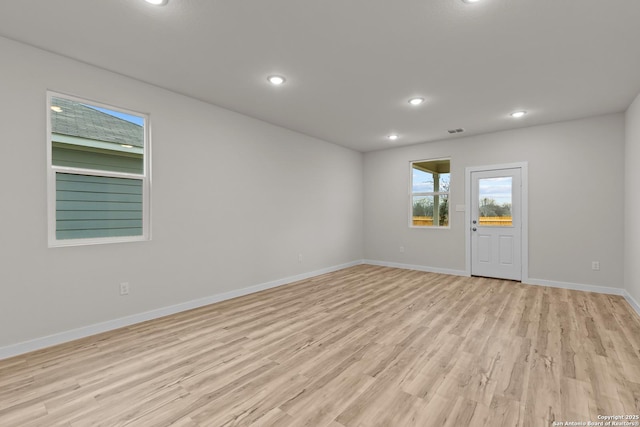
x=98, y=180
x=97, y=206
x=75, y=156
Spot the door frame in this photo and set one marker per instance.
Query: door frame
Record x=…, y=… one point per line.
x=524, y=176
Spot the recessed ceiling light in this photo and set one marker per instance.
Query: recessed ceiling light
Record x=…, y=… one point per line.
x=157, y=2
x=393, y=137
x=470, y=1
x=518, y=114
x=276, y=80
x=126, y=146
x=56, y=109
x=416, y=101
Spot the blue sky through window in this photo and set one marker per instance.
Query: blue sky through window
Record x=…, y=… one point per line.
x=124, y=116
x=423, y=182
x=498, y=189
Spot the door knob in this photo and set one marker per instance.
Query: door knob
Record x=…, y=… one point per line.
x=474, y=221
x=474, y=229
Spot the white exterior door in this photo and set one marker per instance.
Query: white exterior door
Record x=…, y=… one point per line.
x=496, y=223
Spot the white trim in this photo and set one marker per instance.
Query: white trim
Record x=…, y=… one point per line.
x=97, y=172
x=632, y=302
x=524, y=197
x=100, y=146
x=575, y=286
x=97, y=328
x=431, y=227
x=416, y=267
x=90, y=241
x=51, y=176
x=533, y=282
x=530, y=281
x=74, y=334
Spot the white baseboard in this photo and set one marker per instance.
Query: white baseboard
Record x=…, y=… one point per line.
x=528, y=281
x=97, y=328
x=66, y=336
x=632, y=302
x=574, y=286
x=587, y=288
x=416, y=267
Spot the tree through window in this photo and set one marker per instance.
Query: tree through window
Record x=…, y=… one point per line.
x=429, y=204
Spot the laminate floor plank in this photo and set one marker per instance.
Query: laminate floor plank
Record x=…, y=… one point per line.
x=363, y=346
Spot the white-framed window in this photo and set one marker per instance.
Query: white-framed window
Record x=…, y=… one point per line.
x=429, y=193
x=98, y=160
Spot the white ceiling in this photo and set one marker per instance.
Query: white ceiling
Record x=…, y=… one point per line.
x=351, y=65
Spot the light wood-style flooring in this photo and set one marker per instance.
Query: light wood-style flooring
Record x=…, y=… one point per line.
x=364, y=346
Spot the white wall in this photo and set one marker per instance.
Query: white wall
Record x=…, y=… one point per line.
x=235, y=200
x=575, y=193
x=632, y=201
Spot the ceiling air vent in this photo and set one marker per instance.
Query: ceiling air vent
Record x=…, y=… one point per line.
x=459, y=130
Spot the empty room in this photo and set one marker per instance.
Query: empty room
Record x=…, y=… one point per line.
x=340, y=214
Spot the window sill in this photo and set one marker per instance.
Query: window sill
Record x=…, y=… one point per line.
x=426, y=227
x=97, y=241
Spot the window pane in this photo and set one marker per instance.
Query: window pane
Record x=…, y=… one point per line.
x=423, y=210
x=91, y=137
x=430, y=176
x=443, y=182
x=424, y=213
x=97, y=206
x=422, y=182
x=494, y=204
x=430, y=182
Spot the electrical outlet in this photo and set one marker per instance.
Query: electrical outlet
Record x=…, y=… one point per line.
x=401, y=249
x=595, y=265
x=299, y=257
x=124, y=288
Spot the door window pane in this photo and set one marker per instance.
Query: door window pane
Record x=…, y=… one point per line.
x=494, y=204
